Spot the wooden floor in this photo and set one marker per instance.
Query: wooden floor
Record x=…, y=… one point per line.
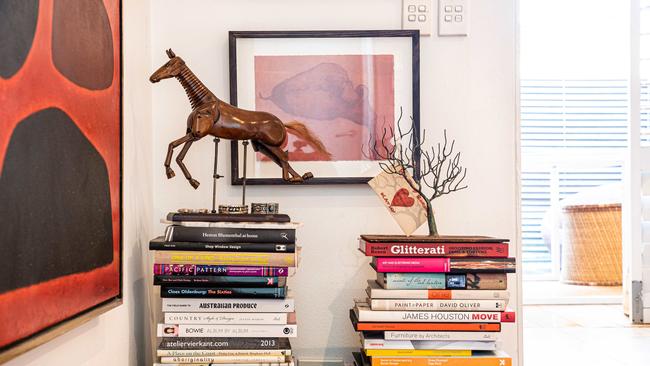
x=583, y=335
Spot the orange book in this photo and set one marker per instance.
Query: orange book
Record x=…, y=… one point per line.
x=498, y=359
x=465, y=327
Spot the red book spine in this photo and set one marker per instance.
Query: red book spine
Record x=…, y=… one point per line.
x=485, y=250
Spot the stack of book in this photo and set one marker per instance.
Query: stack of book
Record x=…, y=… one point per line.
x=224, y=289
x=435, y=301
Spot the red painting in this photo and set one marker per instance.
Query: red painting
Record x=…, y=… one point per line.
x=60, y=158
x=344, y=99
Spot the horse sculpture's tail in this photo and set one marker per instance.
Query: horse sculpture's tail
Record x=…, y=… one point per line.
x=302, y=131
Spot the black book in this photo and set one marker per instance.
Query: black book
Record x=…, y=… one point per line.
x=160, y=243
x=209, y=343
x=230, y=235
x=219, y=281
x=210, y=217
x=223, y=292
x=359, y=359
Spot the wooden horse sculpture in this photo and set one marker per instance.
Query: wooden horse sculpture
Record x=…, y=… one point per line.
x=212, y=116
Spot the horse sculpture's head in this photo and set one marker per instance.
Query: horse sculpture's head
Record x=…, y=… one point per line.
x=171, y=69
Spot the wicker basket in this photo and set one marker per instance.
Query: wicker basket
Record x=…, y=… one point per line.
x=591, y=245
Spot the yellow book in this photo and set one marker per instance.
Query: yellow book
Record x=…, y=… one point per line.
x=417, y=352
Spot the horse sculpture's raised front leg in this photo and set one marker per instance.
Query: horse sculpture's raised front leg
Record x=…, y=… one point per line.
x=179, y=161
x=170, y=151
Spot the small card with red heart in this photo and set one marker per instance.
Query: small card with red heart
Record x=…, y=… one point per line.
x=406, y=206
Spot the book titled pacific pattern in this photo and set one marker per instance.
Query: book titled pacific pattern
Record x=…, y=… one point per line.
x=223, y=283
x=439, y=300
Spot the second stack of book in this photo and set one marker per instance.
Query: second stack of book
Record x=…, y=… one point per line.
x=435, y=300
x=224, y=292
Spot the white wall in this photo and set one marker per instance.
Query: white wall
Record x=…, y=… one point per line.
x=468, y=86
x=120, y=337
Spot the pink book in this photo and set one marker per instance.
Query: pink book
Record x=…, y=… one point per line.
x=419, y=265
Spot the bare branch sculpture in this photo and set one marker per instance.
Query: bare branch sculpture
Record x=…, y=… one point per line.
x=437, y=171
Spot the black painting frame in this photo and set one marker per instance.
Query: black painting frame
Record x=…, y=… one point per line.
x=233, y=36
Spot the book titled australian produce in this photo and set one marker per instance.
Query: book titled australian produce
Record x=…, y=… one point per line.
x=160, y=243
x=286, y=305
x=230, y=235
x=441, y=281
x=226, y=258
x=442, y=265
x=394, y=249
x=199, y=270
x=365, y=314
x=220, y=281
x=232, y=292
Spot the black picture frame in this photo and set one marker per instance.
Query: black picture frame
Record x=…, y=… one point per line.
x=414, y=35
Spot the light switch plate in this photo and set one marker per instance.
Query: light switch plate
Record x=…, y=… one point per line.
x=453, y=17
x=418, y=14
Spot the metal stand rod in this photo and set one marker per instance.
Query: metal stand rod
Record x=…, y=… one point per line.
x=215, y=175
x=243, y=196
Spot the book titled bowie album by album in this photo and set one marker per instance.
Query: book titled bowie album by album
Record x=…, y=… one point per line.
x=60, y=166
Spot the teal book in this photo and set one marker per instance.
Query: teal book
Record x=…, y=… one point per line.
x=412, y=281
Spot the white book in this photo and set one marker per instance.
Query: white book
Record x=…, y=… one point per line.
x=376, y=292
x=221, y=352
x=433, y=345
x=179, y=305
x=365, y=314
x=235, y=331
x=440, y=336
x=438, y=305
x=230, y=318
x=224, y=359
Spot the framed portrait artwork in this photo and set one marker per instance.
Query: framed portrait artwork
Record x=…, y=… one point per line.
x=60, y=167
x=341, y=89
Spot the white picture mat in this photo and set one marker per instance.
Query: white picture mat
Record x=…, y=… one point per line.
x=248, y=48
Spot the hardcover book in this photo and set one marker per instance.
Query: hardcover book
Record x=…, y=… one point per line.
x=416, y=352
x=461, y=239
x=232, y=292
x=438, y=305
x=230, y=318
x=220, y=281
x=226, y=258
x=237, y=331
x=211, y=343
x=172, y=305
x=376, y=292
x=361, y=326
x=427, y=264
x=231, y=353
x=224, y=359
x=395, y=249
x=160, y=243
x=197, y=270
x=380, y=343
x=210, y=217
x=482, y=359
x=365, y=314
x=288, y=363
x=229, y=235
x=436, y=336
x=441, y=281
